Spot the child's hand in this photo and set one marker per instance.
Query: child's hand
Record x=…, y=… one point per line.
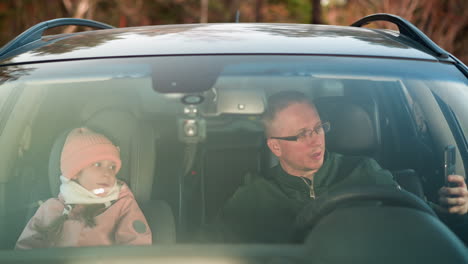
x=455, y=199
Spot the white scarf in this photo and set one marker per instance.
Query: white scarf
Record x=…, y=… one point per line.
x=73, y=193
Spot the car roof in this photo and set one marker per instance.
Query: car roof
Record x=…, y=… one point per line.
x=222, y=38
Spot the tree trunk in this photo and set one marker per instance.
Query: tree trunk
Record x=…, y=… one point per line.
x=258, y=10
x=79, y=11
x=204, y=11
x=316, y=12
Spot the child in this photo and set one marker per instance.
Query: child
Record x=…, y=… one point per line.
x=93, y=208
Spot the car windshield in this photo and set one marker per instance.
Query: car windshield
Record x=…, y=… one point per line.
x=190, y=132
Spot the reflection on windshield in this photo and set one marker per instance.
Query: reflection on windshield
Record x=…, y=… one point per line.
x=188, y=140
x=13, y=73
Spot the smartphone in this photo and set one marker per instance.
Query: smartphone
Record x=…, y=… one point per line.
x=449, y=164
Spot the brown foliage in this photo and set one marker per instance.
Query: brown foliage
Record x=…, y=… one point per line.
x=444, y=21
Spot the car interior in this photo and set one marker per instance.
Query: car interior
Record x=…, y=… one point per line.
x=181, y=181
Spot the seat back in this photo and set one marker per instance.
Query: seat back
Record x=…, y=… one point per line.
x=136, y=141
x=355, y=130
x=228, y=158
x=355, y=126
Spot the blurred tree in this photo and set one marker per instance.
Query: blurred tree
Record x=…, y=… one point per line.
x=204, y=11
x=78, y=9
x=258, y=10
x=444, y=21
x=17, y=16
x=316, y=12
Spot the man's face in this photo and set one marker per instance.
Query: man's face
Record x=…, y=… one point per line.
x=296, y=157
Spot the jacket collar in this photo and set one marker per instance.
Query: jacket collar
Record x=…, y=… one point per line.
x=290, y=183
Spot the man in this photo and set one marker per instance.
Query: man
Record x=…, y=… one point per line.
x=264, y=211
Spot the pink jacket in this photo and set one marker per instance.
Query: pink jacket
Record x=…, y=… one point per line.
x=122, y=223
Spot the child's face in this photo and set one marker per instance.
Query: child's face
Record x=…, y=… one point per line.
x=99, y=177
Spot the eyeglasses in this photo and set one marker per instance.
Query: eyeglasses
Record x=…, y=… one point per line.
x=308, y=133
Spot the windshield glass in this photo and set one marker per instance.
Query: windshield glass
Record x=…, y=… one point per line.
x=189, y=130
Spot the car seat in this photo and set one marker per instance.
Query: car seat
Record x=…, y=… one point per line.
x=136, y=142
x=355, y=127
x=355, y=130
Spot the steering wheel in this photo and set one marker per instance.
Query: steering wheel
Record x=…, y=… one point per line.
x=327, y=203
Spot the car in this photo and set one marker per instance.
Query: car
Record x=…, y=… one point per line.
x=184, y=104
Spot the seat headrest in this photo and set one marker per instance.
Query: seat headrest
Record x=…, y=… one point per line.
x=136, y=143
x=354, y=124
x=54, y=163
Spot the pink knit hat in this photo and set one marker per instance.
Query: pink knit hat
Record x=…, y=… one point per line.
x=84, y=147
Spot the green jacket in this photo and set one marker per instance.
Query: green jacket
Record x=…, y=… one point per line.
x=265, y=210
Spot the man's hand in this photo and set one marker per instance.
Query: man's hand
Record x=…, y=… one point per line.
x=455, y=199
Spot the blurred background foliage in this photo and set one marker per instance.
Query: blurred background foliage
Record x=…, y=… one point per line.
x=444, y=21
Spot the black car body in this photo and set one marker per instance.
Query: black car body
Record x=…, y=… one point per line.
x=184, y=104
